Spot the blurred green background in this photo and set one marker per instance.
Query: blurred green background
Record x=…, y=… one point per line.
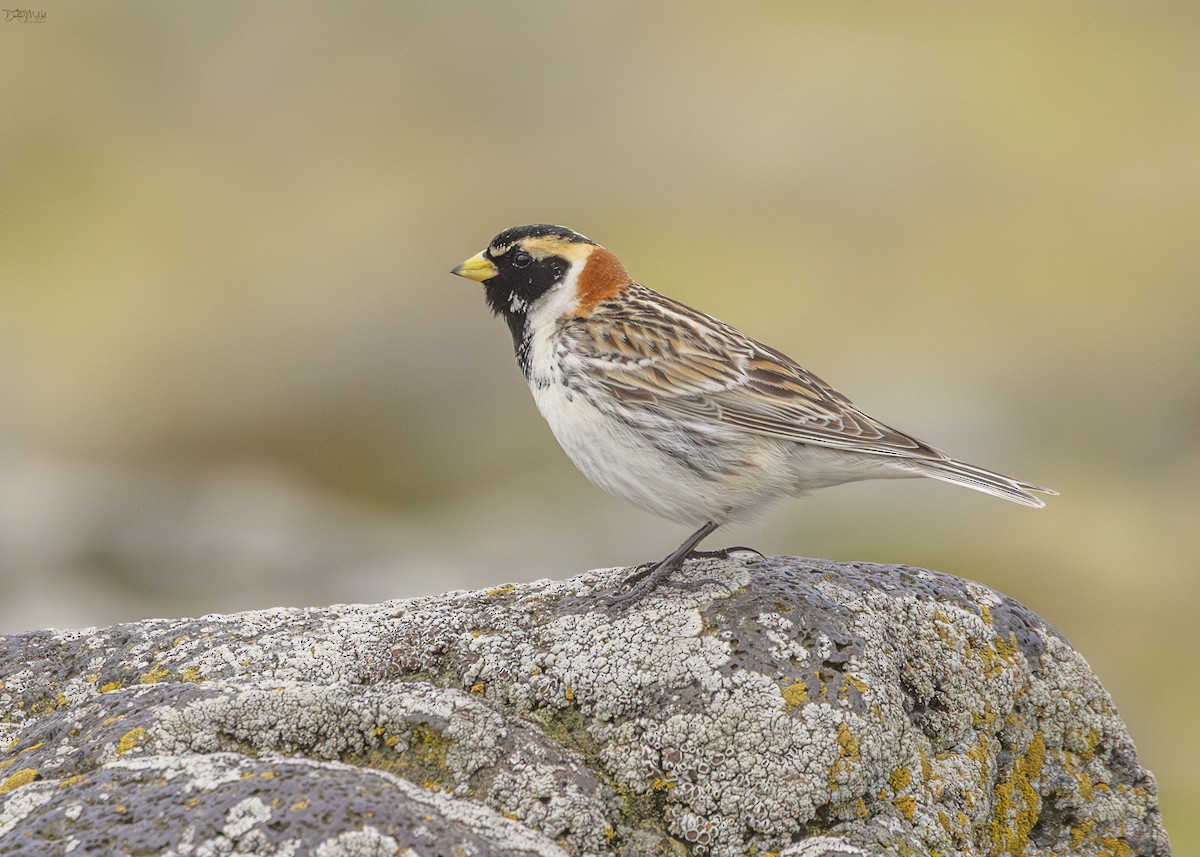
x=235, y=373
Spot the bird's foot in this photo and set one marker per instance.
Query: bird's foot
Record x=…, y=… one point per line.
x=647, y=578
x=641, y=583
x=640, y=573
x=698, y=584
x=724, y=553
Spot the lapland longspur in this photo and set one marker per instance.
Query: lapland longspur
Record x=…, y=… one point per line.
x=675, y=411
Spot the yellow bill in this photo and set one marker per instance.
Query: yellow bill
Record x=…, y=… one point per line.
x=479, y=267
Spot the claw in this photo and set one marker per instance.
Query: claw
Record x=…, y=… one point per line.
x=640, y=573
x=724, y=553
x=641, y=583
x=646, y=580
x=694, y=585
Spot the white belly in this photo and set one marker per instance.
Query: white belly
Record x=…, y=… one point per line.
x=728, y=479
x=618, y=459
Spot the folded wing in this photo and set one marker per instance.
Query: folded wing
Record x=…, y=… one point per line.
x=650, y=351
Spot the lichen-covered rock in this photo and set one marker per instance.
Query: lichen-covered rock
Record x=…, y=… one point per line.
x=787, y=706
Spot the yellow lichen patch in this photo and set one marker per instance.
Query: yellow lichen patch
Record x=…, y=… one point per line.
x=109, y=721
x=1083, y=782
x=980, y=753
x=855, y=682
x=425, y=754
x=569, y=695
x=501, y=590
x=900, y=779
x=1114, y=847
x=45, y=705
x=907, y=804
x=420, y=757
x=478, y=688
x=1017, y=802
x=269, y=775
x=178, y=641
x=4, y=765
x=1007, y=647
x=985, y=613
x=848, y=744
x=156, y=674
x=111, y=686
x=131, y=739
x=662, y=784
x=23, y=777
x=299, y=805
x=794, y=694
x=849, y=751
x=67, y=782
x=1079, y=834
x=993, y=663
x=959, y=831
x=192, y=676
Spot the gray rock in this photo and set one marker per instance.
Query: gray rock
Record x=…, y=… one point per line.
x=790, y=707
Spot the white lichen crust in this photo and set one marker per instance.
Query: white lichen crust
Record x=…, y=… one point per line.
x=785, y=707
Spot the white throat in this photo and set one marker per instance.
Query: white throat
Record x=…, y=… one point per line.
x=542, y=323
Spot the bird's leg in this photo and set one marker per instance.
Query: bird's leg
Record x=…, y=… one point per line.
x=672, y=563
x=645, y=580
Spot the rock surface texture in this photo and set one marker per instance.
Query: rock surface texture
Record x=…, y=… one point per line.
x=787, y=707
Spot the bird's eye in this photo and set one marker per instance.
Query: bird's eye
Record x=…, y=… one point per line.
x=521, y=260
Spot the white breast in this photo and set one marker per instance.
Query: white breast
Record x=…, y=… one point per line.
x=619, y=460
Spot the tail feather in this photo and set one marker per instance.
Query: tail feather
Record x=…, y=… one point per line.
x=987, y=481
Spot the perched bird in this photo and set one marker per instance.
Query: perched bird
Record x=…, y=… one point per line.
x=675, y=411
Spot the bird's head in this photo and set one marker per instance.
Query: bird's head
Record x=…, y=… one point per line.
x=541, y=273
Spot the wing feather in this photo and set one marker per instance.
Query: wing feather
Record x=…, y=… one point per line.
x=650, y=351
